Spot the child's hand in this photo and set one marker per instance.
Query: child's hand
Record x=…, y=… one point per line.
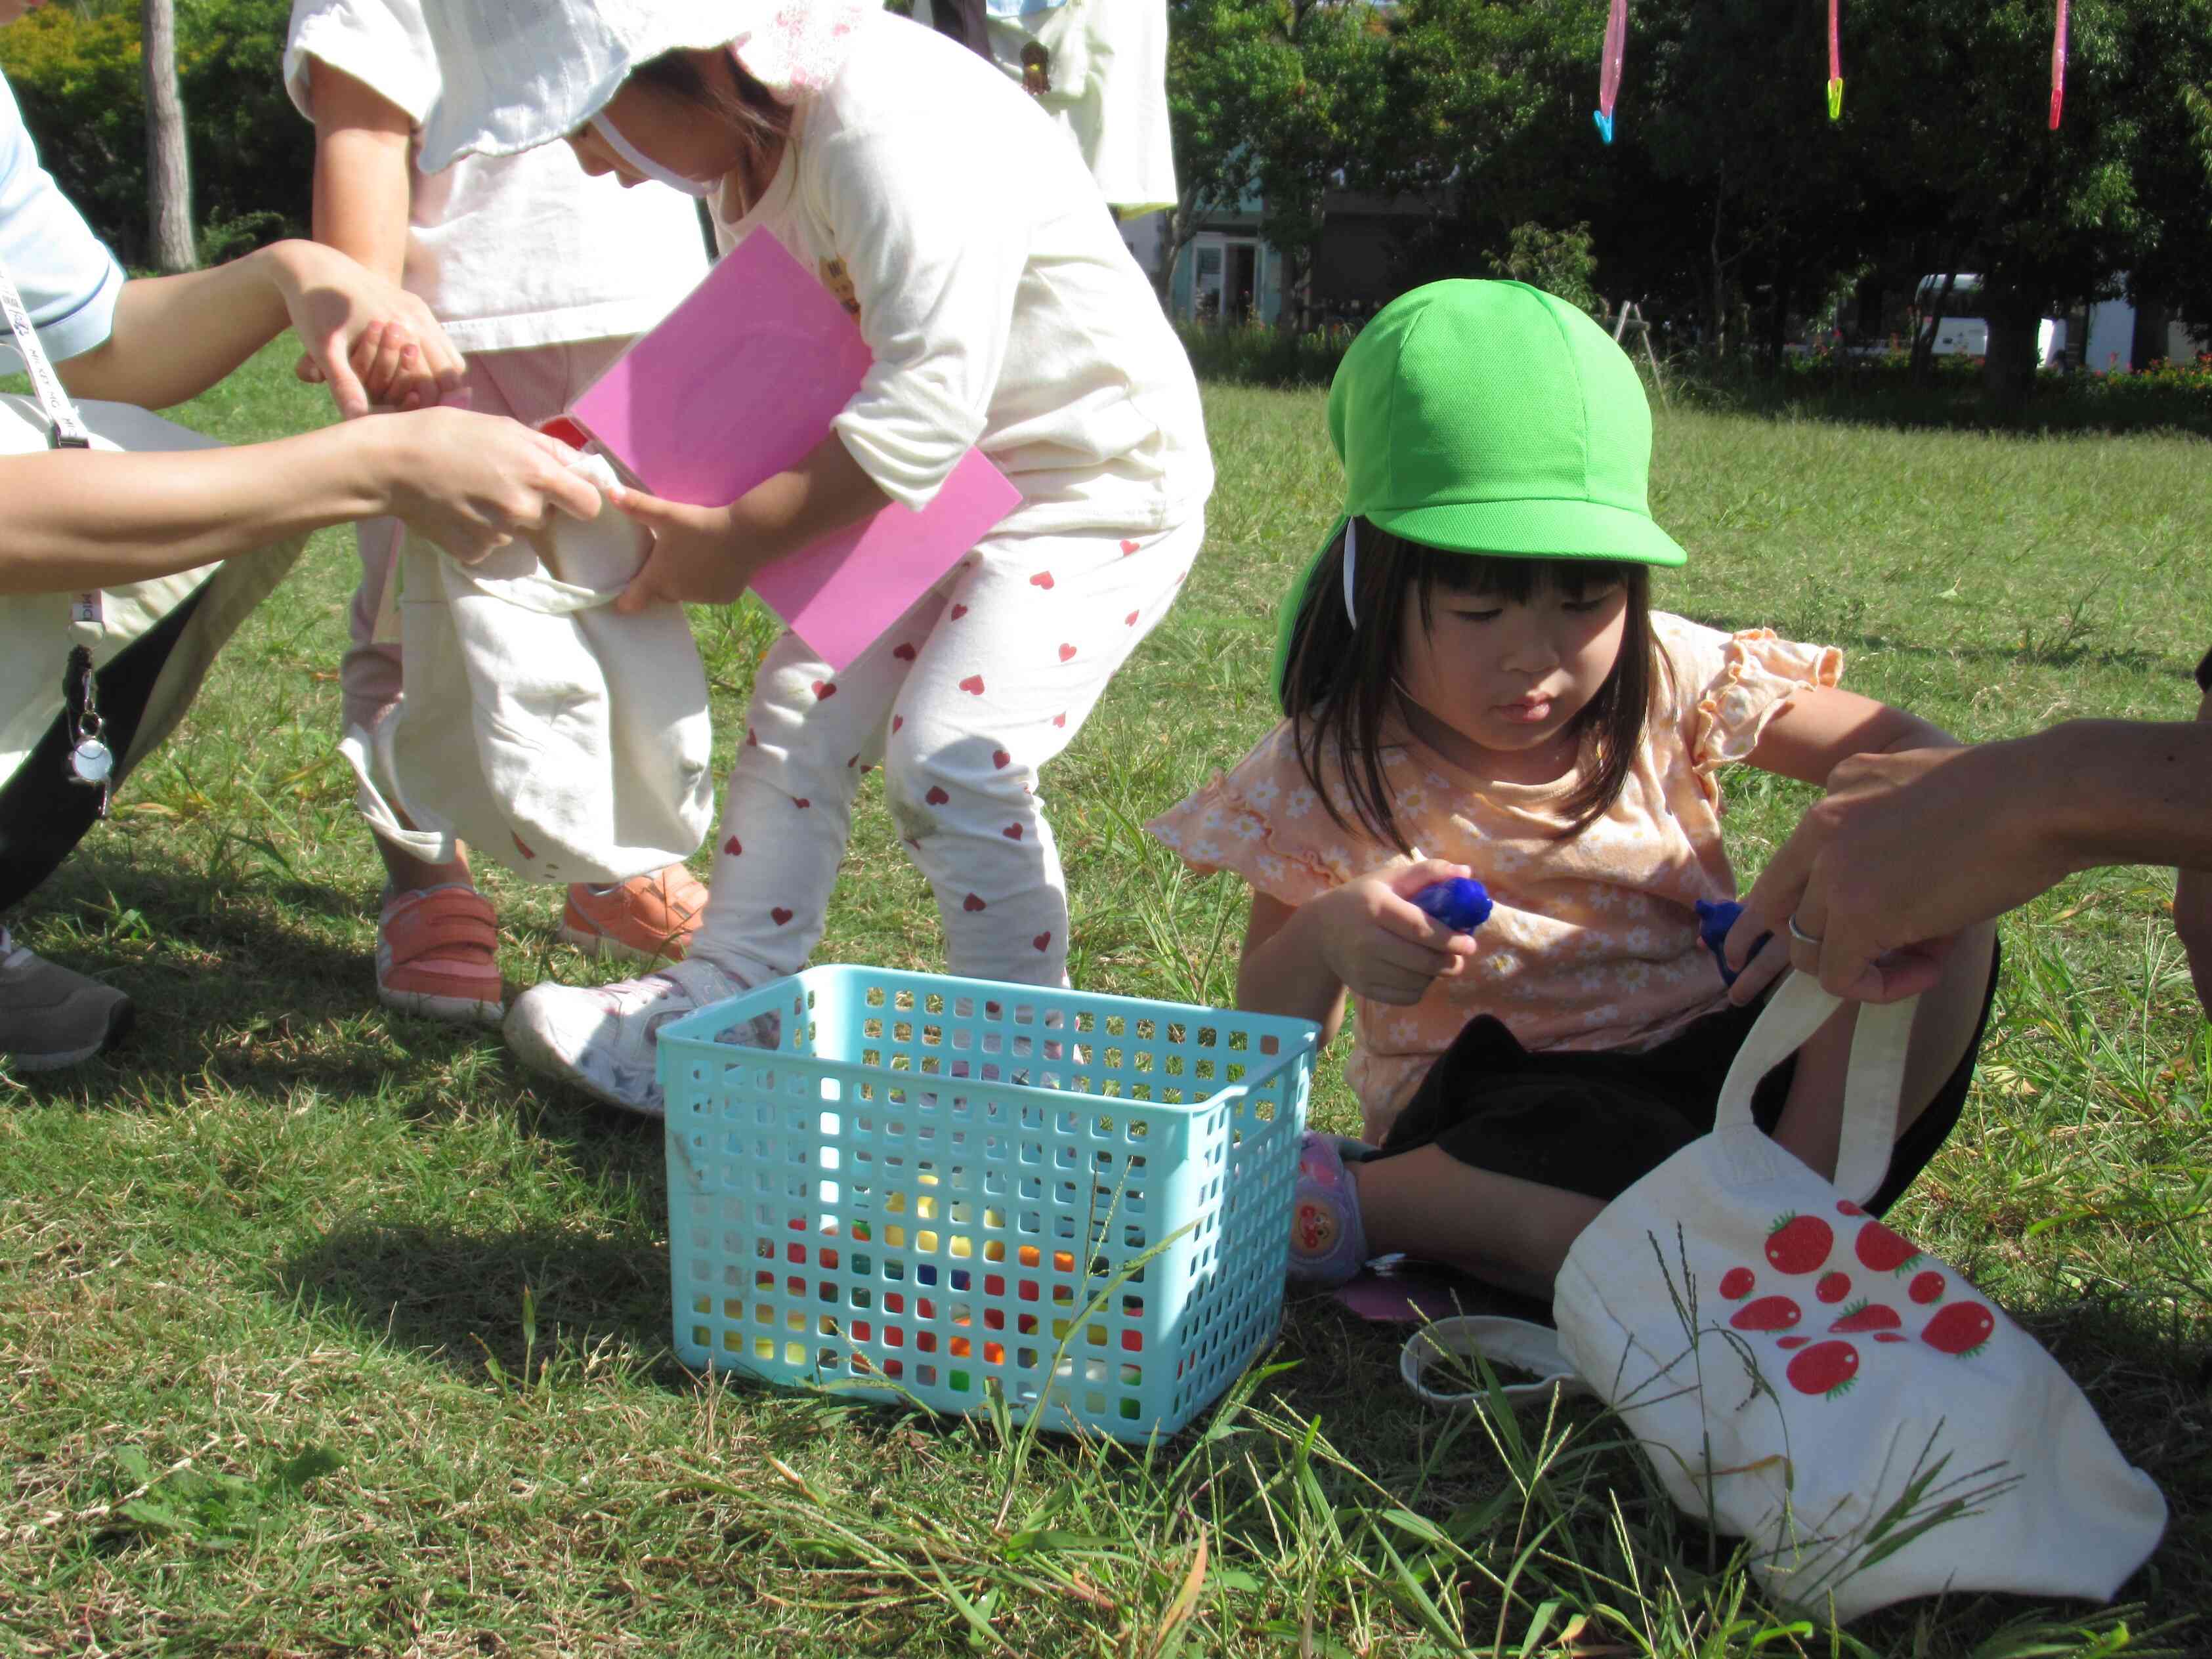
x=372, y=343
x=1380, y=945
x=693, y=559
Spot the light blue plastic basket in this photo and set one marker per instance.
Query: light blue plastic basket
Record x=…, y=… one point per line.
x=945, y=1188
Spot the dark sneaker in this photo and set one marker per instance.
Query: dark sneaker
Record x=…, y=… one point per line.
x=50, y=1017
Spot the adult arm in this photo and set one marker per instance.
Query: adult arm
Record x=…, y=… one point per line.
x=2192, y=884
x=84, y=519
x=1910, y=846
x=174, y=336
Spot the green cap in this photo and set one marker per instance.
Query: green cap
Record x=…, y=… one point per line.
x=1492, y=418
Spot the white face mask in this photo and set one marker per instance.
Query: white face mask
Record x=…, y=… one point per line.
x=696, y=188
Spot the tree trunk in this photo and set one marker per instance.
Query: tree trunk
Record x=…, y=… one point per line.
x=168, y=175
x=2149, y=344
x=2008, y=371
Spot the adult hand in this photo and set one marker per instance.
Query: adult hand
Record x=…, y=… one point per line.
x=474, y=482
x=373, y=343
x=1382, y=946
x=692, y=561
x=1906, y=850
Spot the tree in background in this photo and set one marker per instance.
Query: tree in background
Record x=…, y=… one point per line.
x=168, y=165
x=1272, y=101
x=76, y=72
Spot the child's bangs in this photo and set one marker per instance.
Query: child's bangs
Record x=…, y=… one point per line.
x=1516, y=580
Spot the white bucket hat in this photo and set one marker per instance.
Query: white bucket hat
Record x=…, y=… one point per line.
x=518, y=74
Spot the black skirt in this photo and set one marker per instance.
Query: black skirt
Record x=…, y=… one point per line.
x=1597, y=1123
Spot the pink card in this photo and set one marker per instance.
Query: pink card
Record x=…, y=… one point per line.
x=739, y=382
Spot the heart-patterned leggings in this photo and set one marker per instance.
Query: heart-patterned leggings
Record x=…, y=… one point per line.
x=961, y=701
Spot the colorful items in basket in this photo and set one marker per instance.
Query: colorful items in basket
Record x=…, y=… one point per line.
x=1460, y=903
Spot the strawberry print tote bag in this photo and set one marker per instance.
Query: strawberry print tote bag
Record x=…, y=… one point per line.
x=1803, y=1377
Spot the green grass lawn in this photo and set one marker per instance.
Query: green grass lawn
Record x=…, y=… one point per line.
x=324, y=1330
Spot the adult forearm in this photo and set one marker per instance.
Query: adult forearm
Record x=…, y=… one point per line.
x=174, y=336
x=2122, y=792
x=88, y=519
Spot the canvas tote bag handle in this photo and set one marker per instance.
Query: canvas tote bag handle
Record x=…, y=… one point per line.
x=69, y=429
x=1871, y=1090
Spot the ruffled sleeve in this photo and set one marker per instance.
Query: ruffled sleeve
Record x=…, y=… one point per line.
x=1729, y=687
x=1263, y=821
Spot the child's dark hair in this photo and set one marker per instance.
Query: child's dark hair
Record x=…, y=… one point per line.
x=1340, y=684
x=747, y=105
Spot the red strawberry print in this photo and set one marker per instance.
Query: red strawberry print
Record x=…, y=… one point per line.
x=522, y=847
x=1868, y=1316
x=1926, y=1287
x=801, y=802
x=752, y=742
x=1791, y=1341
x=1882, y=1249
x=897, y=721
x=1127, y=548
x=1042, y=578
x=913, y=842
x=734, y=847
x=1066, y=652
x=1060, y=718
x=958, y=612
x=937, y=797
x=1798, y=1243
x=1011, y=832
x=1000, y=760
x=779, y=915
x=1737, y=1283
x=565, y=430
x=972, y=902
x=1889, y=1336
x=904, y=654
x=1042, y=941
x=1960, y=1329
x=1833, y=1287
x=1825, y=1368
x=1844, y=1206
x=853, y=762
x=824, y=690
x=1769, y=1313
x=973, y=685
x=1130, y=621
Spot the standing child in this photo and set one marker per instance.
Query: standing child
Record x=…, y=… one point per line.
x=1472, y=672
x=1004, y=314
x=540, y=276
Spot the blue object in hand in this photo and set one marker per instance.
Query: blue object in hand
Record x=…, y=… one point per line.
x=1460, y=903
x=1714, y=921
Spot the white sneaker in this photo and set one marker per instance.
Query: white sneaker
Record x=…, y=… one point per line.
x=51, y=1017
x=602, y=1038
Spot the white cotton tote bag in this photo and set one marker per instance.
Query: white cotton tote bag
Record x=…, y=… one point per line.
x=1803, y=1377
x=540, y=726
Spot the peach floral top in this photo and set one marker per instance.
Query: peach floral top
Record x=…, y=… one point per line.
x=1594, y=942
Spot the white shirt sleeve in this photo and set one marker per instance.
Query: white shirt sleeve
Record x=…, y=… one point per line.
x=383, y=44
x=935, y=262
x=67, y=279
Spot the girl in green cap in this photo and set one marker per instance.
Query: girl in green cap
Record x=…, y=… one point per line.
x=1472, y=667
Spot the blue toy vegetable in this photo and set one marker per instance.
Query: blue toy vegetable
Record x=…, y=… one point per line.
x=1714, y=921
x=1460, y=903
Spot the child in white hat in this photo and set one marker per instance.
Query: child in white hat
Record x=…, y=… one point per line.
x=964, y=233
x=541, y=276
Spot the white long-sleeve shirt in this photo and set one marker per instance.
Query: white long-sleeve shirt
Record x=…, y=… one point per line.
x=1003, y=310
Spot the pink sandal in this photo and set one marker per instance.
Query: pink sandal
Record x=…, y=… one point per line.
x=437, y=955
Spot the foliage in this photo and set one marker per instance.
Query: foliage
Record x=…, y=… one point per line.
x=1560, y=262
x=77, y=75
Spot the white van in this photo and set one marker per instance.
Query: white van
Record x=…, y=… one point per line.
x=1961, y=334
